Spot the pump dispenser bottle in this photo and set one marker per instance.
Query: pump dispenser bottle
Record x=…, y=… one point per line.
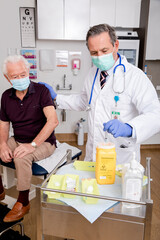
x=132, y=182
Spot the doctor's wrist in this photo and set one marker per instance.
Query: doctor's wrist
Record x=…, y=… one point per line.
x=129, y=130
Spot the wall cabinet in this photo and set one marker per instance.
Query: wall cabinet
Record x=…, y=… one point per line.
x=127, y=13
x=102, y=11
x=76, y=19
x=50, y=19
x=153, y=36
x=63, y=19
x=117, y=13
x=70, y=19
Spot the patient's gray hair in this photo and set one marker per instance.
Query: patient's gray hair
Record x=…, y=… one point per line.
x=14, y=59
x=98, y=29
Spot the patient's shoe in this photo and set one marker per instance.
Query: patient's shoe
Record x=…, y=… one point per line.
x=2, y=195
x=18, y=211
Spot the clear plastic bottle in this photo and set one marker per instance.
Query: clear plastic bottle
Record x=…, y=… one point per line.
x=132, y=183
x=80, y=132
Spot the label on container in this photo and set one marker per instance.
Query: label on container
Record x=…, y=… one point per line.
x=133, y=189
x=102, y=177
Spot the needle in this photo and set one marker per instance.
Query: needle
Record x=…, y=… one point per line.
x=105, y=139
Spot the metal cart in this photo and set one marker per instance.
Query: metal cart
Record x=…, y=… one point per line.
x=60, y=220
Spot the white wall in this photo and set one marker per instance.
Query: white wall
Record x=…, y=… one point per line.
x=10, y=38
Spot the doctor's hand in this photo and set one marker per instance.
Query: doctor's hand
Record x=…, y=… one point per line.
x=117, y=128
x=52, y=92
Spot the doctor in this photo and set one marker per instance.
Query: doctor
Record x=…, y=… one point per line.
x=119, y=97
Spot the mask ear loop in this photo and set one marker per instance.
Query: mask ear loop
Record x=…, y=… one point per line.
x=7, y=77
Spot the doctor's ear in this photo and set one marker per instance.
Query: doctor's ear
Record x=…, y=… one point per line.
x=116, y=45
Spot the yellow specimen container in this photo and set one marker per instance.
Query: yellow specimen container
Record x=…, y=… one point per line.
x=84, y=166
x=90, y=186
x=105, y=163
x=55, y=182
x=70, y=183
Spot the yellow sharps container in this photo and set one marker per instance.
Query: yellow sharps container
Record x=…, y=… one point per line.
x=105, y=163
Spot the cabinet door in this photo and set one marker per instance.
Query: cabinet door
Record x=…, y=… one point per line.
x=50, y=19
x=128, y=13
x=76, y=19
x=102, y=11
x=153, y=36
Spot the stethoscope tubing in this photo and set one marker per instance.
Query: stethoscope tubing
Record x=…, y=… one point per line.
x=120, y=64
x=93, y=86
x=114, y=70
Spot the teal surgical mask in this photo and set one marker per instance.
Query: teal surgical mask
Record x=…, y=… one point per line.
x=21, y=84
x=104, y=62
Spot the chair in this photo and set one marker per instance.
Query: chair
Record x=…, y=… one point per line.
x=36, y=169
x=4, y=227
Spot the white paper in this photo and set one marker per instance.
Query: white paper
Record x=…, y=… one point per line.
x=62, y=58
x=91, y=211
x=50, y=162
x=47, y=60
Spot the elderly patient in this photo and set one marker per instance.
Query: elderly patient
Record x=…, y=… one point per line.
x=29, y=107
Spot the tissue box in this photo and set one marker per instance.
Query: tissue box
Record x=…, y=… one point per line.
x=55, y=182
x=90, y=186
x=70, y=183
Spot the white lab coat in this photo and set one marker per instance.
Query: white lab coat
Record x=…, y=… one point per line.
x=138, y=105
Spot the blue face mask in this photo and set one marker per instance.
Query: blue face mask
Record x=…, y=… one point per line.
x=104, y=62
x=21, y=84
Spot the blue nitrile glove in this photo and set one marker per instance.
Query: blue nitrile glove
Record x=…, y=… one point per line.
x=117, y=128
x=52, y=92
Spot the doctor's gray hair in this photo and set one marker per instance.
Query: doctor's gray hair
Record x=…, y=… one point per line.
x=14, y=59
x=98, y=29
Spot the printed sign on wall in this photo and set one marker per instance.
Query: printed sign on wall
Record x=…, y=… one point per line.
x=27, y=21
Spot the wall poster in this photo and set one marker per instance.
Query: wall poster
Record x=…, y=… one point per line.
x=30, y=55
x=27, y=26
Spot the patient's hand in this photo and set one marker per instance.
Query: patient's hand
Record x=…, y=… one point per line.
x=23, y=149
x=6, y=153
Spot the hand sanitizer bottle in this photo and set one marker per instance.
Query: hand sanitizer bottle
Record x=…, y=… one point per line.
x=132, y=185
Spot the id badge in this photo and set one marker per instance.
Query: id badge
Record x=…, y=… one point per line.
x=115, y=114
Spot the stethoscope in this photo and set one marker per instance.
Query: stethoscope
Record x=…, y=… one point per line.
x=116, y=97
